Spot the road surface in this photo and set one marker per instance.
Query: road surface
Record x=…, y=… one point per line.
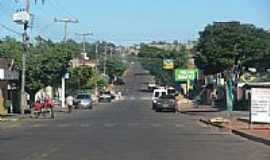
x=125, y=130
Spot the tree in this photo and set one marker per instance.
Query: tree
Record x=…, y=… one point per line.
x=152, y=59
x=114, y=66
x=48, y=61
x=46, y=64
x=80, y=78
x=224, y=44
x=11, y=48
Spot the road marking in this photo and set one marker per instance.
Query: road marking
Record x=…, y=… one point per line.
x=156, y=125
x=145, y=98
x=179, y=125
x=133, y=124
x=86, y=125
x=37, y=125
x=62, y=125
x=110, y=125
x=132, y=98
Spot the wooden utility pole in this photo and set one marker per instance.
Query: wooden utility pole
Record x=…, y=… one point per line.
x=84, y=35
x=66, y=21
x=23, y=17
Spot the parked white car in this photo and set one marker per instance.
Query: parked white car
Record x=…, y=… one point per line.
x=157, y=93
x=152, y=85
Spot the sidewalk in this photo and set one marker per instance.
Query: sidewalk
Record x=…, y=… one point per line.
x=236, y=122
x=257, y=132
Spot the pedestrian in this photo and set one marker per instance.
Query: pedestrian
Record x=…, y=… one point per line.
x=120, y=95
x=69, y=102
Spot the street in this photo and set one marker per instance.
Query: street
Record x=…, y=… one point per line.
x=125, y=130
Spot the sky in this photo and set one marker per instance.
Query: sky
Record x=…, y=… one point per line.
x=133, y=21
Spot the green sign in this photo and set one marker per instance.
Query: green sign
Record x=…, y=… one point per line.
x=185, y=74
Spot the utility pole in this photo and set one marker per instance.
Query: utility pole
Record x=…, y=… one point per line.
x=84, y=35
x=111, y=52
x=96, y=68
x=105, y=59
x=23, y=17
x=66, y=21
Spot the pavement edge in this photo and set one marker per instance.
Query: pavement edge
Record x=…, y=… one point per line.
x=238, y=133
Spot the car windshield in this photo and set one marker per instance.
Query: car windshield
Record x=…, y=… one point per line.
x=167, y=97
x=83, y=96
x=163, y=93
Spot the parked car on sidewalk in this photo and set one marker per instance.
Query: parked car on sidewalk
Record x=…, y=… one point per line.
x=166, y=102
x=105, y=96
x=157, y=93
x=83, y=101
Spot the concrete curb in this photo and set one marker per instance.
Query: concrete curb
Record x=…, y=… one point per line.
x=238, y=133
x=251, y=137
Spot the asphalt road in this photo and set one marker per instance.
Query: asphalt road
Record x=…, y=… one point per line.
x=125, y=130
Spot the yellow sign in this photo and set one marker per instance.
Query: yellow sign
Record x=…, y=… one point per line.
x=248, y=77
x=168, y=64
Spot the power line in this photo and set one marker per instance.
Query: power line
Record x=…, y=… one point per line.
x=10, y=29
x=60, y=9
x=64, y=9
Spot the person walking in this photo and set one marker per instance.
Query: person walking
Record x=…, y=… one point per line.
x=69, y=102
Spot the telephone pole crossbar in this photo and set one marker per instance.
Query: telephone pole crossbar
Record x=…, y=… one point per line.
x=84, y=35
x=66, y=21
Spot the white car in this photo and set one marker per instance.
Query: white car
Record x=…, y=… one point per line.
x=157, y=93
x=151, y=86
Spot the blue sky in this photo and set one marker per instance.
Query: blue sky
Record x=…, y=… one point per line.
x=133, y=21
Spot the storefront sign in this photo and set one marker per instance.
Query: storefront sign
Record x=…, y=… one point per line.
x=8, y=75
x=185, y=74
x=168, y=64
x=260, y=105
